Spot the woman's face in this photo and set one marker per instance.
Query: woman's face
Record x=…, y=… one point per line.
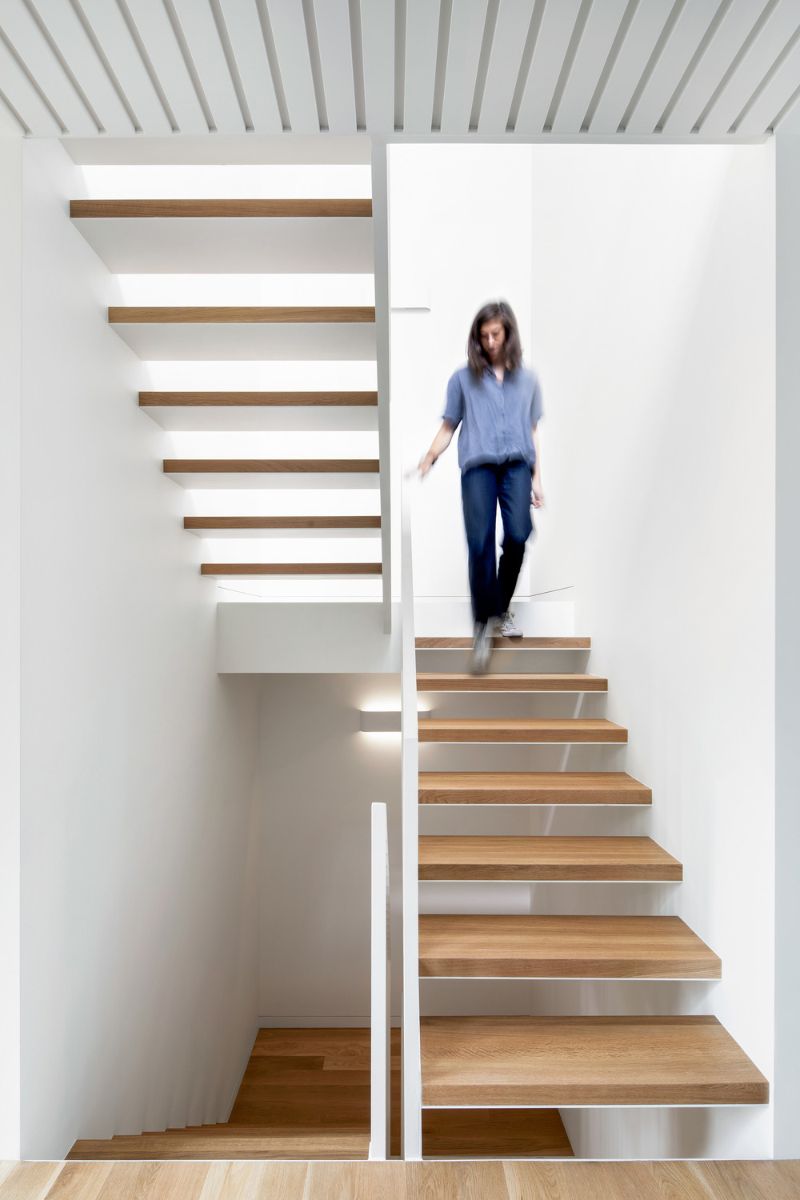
x=493, y=340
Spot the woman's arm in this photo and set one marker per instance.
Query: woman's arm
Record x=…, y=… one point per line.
x=438, y=446
x=537, y=495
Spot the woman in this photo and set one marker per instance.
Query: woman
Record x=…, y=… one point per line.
x=498, y=403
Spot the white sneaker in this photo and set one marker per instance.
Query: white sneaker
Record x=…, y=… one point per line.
x=507, y=626
x=481, y=649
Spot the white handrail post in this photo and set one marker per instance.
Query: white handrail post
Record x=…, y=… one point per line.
x=380, y=990
x=412, y=1070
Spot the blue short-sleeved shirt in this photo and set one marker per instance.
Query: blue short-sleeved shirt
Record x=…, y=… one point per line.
x=496, y=418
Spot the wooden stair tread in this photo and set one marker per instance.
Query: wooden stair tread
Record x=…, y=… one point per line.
x=439, y=681
x=523, y=643
x=305, y=568
x=558, y=1061
x=343, y=522
x=545, y=857
x=554, y=947
x=223, y=1142
x=323, y=207
x=240, y=314
x=257, y=399
x=272, y=465
x=530, y=729
x=494, y=1133
x=531, y=787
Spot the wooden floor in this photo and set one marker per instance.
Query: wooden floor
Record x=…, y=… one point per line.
x=400, y=1181
x=306, y=1095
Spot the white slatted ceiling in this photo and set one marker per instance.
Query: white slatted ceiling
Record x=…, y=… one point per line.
x=189, y=66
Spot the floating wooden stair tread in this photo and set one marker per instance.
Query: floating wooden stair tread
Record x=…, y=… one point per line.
x=494, y=1133
x=445, y=682
x=361, y=207
x=258, y=399
x=344, y=522
x=240, y=315
x=272, y=466
x=332, y=568
x=543, y=858
x=562, y=947
x=227, y=1142
x=560, y=1061
x=524, y=643
x=506, y=729
x=531, y=787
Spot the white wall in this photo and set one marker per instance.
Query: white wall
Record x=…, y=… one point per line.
x=650, y=317
x=787, y=809
x=138, y=827
x=10, y=355
x=318, y=776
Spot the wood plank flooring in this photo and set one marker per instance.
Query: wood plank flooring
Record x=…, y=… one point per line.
x=401, y=1181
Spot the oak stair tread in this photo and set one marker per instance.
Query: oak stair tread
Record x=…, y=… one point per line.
x=531, y=787
x=240, y=314
x=561, y=1061
x=494, y=1133
x=250, y=207
x=523, y=643
x=530, y=729
x=269, y=466
x=227, y=1142
x=439, y=681
x=258, y=399
x=317, y=522
x=556, y=947
x=305, y=568
x=545, y=858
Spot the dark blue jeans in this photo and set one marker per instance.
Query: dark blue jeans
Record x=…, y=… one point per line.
x=482, y=489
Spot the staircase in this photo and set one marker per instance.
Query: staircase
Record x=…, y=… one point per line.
x=502, y=1066
x=293, y=512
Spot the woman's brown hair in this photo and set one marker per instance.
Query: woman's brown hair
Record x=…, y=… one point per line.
x=495, y=310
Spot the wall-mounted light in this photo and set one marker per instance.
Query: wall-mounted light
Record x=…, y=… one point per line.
x=379, y=720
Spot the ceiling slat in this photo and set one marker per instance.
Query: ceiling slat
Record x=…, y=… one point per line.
x=771, y=100
x=598, y=36
x=511, y=31
x=722, y=50
x=23, y=95
x=208, y=56
x=675, y=57
x=73, y=43
x=645, y=29
x=755, y=64
x=158, y=39
x=422, y=32
x=555, y=32
x=336, y=58
x=247, y=39
x=377, y=37
x=466, y=35
x=126, y=63
x=10, y=124
x=291, y=47
x=32, y=47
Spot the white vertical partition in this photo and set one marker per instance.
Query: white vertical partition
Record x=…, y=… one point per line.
x=412, y=1073
x=380, y=227
x=380, y=1012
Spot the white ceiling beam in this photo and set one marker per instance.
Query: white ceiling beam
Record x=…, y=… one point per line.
x=207, y=54
x=645, y=29
x=126, y=62
x=377, y=38
x=508, y=44
x=772, y=98
x=294, y=62
x=422, y=35
x=751, y=70
x=74, y=45
x=35, y=51
x=597, y=39
x=467, y=24
x=554, y=36
x=688, y=31
x=247, y=39
x=336, y=60
x=157, y=37
x=16, y=85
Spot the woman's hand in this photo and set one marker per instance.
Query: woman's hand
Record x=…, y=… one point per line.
x=438, y=446
x=425, y=464
x=537, y=495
